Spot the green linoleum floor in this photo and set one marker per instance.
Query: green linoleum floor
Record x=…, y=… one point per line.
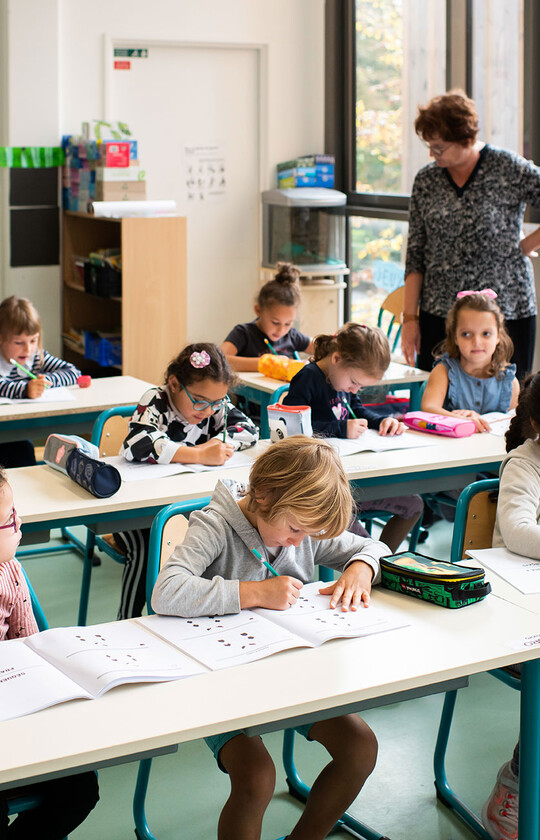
x=187, y=790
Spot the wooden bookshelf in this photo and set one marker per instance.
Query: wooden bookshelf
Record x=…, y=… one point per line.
x=151, y=313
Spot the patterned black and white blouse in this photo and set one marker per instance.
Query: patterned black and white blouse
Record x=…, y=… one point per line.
x=157, y=429
x=469, y=237
x=13, y=382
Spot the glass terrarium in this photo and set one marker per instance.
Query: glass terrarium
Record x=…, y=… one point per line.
x=304, y=226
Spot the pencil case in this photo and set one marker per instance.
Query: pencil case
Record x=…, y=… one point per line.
x=439, y=424
x=100, y=479
x=58, y=448
x=441, y=583
x=279, y=367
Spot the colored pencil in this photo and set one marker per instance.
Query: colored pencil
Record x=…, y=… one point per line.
x=349, y=409
x=272, y=349
x=268, y=565
x=28, y=372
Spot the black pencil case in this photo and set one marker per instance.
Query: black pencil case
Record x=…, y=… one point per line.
x=100, y=479
x=442, y=583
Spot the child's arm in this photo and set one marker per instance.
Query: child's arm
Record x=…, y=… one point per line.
x=435, y=395
x=236, y=362
x=304, y=391
x=517, y=508
x=241, y=431
x=21, y=620
x=57, y=371
x=515, y=393
x=385, y=425
x=358, y=560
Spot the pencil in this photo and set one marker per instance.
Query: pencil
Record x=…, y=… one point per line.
x=268, y=565
x=349, y=409
x=28, y=372
x=225, y=422
x=272, y=349
x=297, y=356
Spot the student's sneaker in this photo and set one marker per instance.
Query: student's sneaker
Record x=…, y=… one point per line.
x=500, y=812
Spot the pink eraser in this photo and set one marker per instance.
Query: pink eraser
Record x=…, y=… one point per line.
x=84, y=381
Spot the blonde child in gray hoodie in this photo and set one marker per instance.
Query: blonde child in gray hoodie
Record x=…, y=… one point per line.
x=294, y=513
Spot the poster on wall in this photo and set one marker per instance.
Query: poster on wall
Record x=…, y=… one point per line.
x=205, y=173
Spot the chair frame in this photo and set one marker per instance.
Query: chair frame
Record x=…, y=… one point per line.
x=395, y=313
x=445, y=793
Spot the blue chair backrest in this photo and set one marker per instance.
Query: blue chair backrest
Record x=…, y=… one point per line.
x=101, y=419
x=489, y=485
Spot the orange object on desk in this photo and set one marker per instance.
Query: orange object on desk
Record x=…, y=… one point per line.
x=279, y=367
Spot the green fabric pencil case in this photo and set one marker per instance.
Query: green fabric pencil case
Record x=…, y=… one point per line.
x=441, y=583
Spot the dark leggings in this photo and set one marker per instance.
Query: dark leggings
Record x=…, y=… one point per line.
x=522, y=332
x=66, y=803
x=20, y=453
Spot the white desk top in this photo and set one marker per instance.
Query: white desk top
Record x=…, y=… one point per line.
x=102, y=394
x=440, y=644
x=396, y=374
x=43, y=494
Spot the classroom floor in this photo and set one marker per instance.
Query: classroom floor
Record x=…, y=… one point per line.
x=187, y=790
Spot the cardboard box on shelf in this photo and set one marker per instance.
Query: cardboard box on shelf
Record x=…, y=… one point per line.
x=120, y=173
x=120, y=191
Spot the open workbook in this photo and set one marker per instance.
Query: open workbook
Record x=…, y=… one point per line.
x=227, y=640
x=69, y=663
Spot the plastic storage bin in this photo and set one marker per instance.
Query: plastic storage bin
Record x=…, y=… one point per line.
x=105, y=350
x=304, y=226
x=102, y=280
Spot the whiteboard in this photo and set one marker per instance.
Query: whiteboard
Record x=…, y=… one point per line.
x=185, y=97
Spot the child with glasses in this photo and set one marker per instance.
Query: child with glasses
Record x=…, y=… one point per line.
x=66, y=802
x=187, y=420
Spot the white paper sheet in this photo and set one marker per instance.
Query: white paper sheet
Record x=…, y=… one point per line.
x=499, y=421
x=141, y=471
x=372, y=441
x=521, y=572
x=50, y=395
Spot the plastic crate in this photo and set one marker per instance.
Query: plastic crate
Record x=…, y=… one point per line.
x=106, y=351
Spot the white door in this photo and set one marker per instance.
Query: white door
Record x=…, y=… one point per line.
x=179, y=98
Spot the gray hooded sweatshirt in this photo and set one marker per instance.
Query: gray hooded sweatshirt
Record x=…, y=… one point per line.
x=203, y=574
x=518, y=506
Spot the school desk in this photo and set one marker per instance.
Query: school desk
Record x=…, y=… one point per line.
x=261, y=389
x=46, y=498
x=23, y=420
x=438, y=650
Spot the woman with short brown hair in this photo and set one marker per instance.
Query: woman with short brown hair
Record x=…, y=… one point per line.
x=465, y=218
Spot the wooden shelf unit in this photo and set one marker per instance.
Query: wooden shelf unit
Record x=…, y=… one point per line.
x=152, y=310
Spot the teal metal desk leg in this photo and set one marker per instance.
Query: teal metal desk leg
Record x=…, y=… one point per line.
x=142, y=829
x=529, y=752
x=414, y=400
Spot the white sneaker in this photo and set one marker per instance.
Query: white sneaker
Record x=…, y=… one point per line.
x=500, y=812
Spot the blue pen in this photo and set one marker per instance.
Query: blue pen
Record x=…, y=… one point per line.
x=268, y=565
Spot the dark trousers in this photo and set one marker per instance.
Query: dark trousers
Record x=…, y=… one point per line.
x=522, y=332
x=66, y=804
x=20, y=453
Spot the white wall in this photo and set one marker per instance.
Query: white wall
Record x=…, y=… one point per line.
x=55, y=80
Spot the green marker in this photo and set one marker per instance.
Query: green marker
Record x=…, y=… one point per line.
x=28, y=372
x=297, y=356
x=268, y=565
x=349, y=409
x=272, y=349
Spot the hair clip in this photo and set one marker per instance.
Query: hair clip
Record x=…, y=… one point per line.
x=487, y=292
x=199, y=359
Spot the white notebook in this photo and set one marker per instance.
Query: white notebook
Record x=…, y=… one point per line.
x=227, y=640
x=83, y=662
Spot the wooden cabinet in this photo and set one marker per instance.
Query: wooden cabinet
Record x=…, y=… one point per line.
x=151, y=313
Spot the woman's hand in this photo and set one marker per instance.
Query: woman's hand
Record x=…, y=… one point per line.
x=391, y=426
x=355, y=428
x=35, y=387
x=410, y=341
x=352, y=588
x=481, y=424
x=214, y=452
x=274, y=593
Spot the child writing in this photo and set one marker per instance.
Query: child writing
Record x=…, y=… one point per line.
x=275, y=308
x=21, y=342
x=188, y=420
x=343, y=363
x=66, y=802
x=517, y=527
x=293, y=513
x=473, y=375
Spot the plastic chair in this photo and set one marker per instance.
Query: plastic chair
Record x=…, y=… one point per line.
x=108, y=433
x=390, y=315
x=473, y=528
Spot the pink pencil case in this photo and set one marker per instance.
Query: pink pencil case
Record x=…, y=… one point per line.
x=439, y=424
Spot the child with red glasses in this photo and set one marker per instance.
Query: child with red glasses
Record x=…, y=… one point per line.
x=182, y=421
x=65, y=802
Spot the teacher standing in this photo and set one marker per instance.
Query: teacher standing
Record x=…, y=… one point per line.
x=465, y=218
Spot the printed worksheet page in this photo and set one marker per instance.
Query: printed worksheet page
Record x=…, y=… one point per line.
x=102, y=656
x=521, y=572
